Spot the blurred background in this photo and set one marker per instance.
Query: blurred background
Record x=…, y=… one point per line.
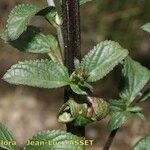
x=26, y=110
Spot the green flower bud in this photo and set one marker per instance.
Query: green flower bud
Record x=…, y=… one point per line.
x=84, y=113
x=79, y=75
x=74, y=112
x=100, y=108
x=68, y=112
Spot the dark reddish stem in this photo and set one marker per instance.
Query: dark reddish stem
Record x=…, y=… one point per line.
x=72, y=48
x=110, y=139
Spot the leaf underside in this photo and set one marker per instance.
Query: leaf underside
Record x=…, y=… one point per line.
x=38, y=73
x=102, y=59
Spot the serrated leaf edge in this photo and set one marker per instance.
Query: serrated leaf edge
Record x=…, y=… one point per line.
x=13, y=11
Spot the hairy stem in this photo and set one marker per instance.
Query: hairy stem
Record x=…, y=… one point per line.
x=72, y=44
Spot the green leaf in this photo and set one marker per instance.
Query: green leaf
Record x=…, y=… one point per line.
x=19, y=18
x=134, y=109
x=118, y=119
x=135, y=78
x=117, y=105
x=142, y=144
x=78, y=89
x=137, y=111
x=146, y=97
x=102, y=59
x=6, y=136
x=34, y=41
x=55, y=140
x=38, y=73
x=141, y=116
x=81, y=88
x=54, y=18
x=146, y=27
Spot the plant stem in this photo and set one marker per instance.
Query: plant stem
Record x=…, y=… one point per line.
x=72, y=49
x=72, y=35
x=61, y=42
x=110, y=139
x=60, y=53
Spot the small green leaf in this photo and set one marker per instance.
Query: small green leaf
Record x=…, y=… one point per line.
x=54, y=18
x=141, y=116
x=102, y=59
x=6, y=136
x=55, y=140
x=136, y=77
x=78, y=89
x=117, y=105
x=65, y=117
x=142, y=144
x=134, y=109
x=19, y=18
x=33, y=41
x=81, y=88
x=146, y=27
x=38, y=73
x=146, y=97
x=137, y=111
x=118, y=119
